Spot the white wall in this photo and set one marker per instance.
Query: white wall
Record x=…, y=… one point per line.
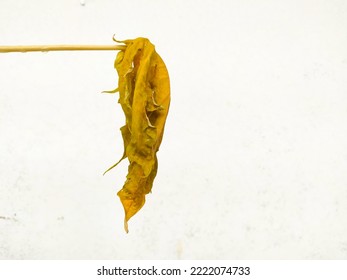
x=254, y=157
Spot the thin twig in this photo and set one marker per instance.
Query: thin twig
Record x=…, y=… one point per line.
x=48, y=48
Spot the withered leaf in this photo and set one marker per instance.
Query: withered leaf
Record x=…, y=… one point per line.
x=144, y=94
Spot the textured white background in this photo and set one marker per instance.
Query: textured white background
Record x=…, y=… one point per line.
x=253, y=163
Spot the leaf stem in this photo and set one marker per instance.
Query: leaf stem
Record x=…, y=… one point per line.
x=48, y=48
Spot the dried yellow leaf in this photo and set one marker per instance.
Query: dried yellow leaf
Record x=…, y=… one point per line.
x=144, y=94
